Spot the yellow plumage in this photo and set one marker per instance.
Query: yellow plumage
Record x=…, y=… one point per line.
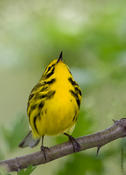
x=54, y=102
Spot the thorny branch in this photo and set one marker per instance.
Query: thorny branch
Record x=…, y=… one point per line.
x=118, y=130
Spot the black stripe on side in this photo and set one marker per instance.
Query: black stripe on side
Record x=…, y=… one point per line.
x=36, y=87
x=43, y=88
x=78, y=91
x=51, y=94
x=34, y=121
x=41, y=105
x=50, y=82
x=72, y=81
x=32, y=108
x=30, y=96
x=48, y=95
x=75, y=116
x=50, y=74
x=76, y=97
x=50, y=67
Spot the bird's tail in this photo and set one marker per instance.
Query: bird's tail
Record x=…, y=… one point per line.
x=29, y=141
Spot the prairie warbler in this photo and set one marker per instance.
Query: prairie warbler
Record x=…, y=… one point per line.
x=53, y=105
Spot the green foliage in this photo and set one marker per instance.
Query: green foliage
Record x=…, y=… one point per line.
x=26, y=171
x=93, y=41
x=84, y=123
x=1, y=155
x=81, y=164
x=13, y=135
x=4, y=172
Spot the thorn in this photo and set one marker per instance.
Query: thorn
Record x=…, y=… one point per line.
x=98, y=150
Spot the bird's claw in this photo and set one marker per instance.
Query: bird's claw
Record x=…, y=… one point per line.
x=43, y=149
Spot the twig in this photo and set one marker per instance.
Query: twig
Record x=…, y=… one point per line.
x=98, y=139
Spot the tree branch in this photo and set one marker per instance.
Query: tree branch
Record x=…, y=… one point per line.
x=98, y=139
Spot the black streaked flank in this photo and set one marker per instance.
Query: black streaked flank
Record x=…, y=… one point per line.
x=34, y=121
x=78, y=91
x=36, y=87
x=50, y=82
x=33, y=107
x=44, y=88
x=41, y=96
x=72, y=81
x=41, y=105
x=48, y=95
x=74, y=118
x=31, y=96
x=51, y=94
x=76, y=97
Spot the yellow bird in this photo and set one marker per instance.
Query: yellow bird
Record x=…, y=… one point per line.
x=53, y=105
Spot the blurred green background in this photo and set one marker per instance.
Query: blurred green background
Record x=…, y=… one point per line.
x=92, y=35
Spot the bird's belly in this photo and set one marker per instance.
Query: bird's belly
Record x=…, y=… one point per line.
x=58, y=117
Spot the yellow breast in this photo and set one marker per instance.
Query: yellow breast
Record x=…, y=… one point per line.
x=60, y=101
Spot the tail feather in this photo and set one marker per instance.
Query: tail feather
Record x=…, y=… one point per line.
x=29, y=141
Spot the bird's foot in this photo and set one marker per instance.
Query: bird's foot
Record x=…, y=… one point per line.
x=76, y=145
x=43, y=149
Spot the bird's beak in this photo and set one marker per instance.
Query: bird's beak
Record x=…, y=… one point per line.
x=60, y=57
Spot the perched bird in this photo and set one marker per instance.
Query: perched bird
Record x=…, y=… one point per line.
x=53, y=105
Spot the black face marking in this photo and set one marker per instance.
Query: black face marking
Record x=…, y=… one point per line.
x=72, y=81
x=76, y=97
x=78, y=91
x=41, y=105
x=50, y=74
x=34, y=121
x=50, y=82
